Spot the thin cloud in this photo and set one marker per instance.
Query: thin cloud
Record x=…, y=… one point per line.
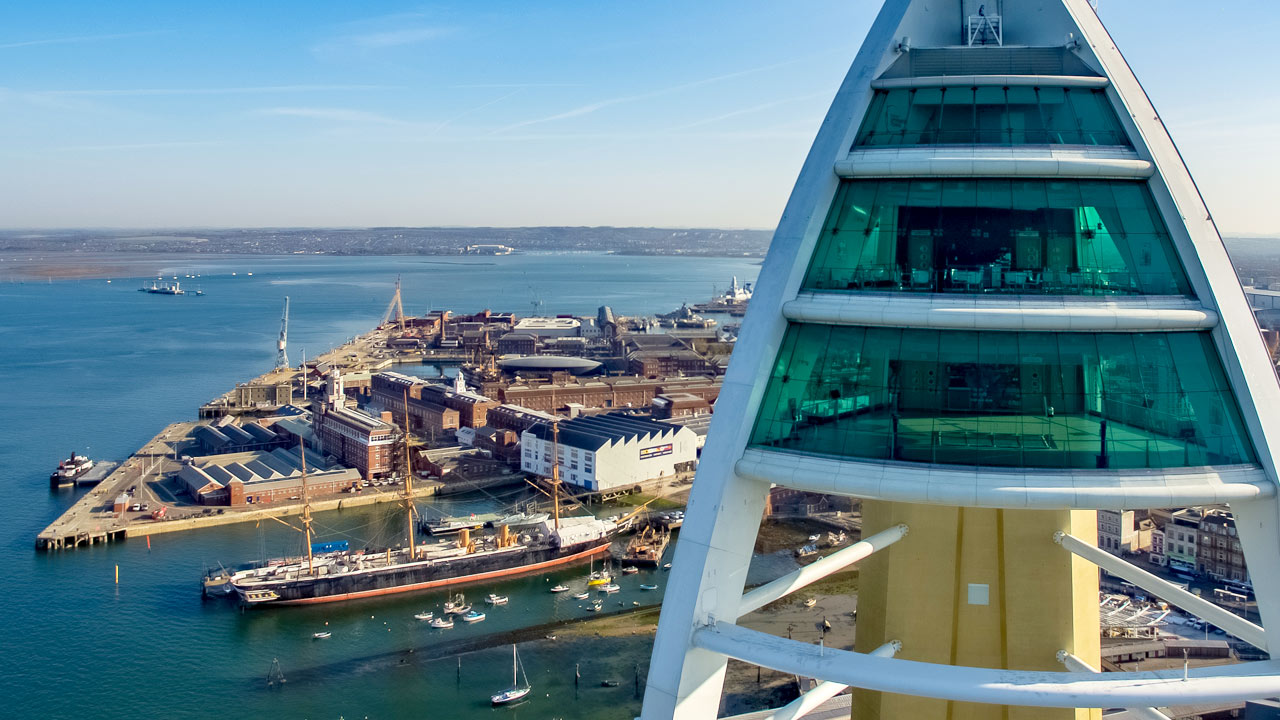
x=141, y=146
x=252, y=90
x=750, y=110
x=395, y=38
x=383, y=32
x=593, y=107
x=78, y=39
x=497, y=85
x=342, y=115
x=477, y=108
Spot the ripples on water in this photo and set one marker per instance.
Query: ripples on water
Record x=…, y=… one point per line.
x=100, y=368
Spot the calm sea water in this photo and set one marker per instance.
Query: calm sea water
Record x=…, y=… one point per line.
x=100, y=368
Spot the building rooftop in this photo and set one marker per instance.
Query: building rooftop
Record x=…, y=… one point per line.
x=401, y=379
x=360, y=419
x=256, y=467
x=541, y=323
x=596, y=431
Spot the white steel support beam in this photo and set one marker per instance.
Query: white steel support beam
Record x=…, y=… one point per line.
x=936, y=81
x=835, y=562
x=1018, y=313
x=951, y=162
x=1201, y=608
x=1075, y=664
x=824, y=691
x=1034, y=688
x=1258, y=524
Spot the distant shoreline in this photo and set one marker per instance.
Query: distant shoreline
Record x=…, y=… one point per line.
x=62, y=266
x=18, y=266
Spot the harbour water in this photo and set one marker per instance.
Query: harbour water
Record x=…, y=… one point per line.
x=99, y=367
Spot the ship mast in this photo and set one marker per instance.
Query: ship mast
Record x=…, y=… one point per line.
x=408, y=475
x=306, y=505
x=555, y=472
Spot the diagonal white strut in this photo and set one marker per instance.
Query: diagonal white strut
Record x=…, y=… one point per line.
x=1159, y=688
x=1075, y=664
x=1201, y=608
x=824, y=691
x=835, y=562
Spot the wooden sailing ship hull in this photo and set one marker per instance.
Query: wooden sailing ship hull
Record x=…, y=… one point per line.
x=413, y=576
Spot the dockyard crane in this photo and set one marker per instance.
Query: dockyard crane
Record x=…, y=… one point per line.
x=395, y=310
x=282, y=356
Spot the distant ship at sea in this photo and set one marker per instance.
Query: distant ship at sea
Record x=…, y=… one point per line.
x=733, y=301
x=162, y=287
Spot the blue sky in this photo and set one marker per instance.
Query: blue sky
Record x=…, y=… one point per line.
x=665, y=113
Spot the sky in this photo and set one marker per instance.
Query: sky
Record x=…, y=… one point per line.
x=664, y=113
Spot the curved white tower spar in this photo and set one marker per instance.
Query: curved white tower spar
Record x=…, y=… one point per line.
x=995, y=303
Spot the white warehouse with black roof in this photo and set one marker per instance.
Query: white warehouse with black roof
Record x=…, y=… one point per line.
x=606, y=452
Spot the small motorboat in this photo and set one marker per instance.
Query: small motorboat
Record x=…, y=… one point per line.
x=609, y=683
x=630, y=570
x=424, y=615
x=814, y=538
x=810, y=602
x=321, y=635
x=581, y=595
x=473, y=617
x=667, y=566
x=442, y=623
x=596, y=606
x=496, y=599
x=559, y=589
x=609, y=589
x=648, y=587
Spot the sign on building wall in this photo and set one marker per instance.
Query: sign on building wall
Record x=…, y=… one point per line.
x=655, y=451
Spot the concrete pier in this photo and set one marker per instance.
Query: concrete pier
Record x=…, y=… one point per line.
x=92, y=520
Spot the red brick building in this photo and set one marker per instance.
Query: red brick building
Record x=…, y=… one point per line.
x=358, y=440
x=607, y=392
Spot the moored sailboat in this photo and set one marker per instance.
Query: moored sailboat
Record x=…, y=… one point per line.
x=517, y=691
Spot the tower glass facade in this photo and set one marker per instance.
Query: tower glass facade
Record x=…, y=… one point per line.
x=1019, y=115
x=1016, y=236
x=1034, y=400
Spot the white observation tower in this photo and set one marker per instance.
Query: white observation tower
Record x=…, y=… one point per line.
x=995, y=304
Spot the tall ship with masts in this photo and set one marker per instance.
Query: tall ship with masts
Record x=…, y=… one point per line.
x=345, y=574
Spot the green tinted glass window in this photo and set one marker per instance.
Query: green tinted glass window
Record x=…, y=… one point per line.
x=991, y=116
x=1047, y=400
x=1056, y=237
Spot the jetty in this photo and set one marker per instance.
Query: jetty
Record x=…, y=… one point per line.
x=105, y=514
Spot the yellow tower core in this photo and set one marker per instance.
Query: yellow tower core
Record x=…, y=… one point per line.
x=976, y=587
